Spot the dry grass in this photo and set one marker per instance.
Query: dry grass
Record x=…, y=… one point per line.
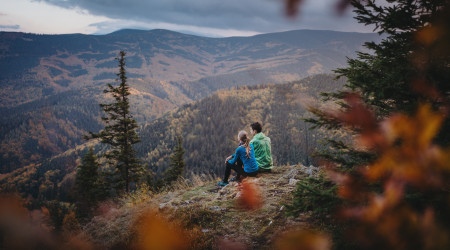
x=208, y=215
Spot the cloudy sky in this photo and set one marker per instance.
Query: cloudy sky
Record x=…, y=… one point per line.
x=215, y=18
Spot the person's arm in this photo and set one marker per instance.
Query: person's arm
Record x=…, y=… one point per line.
x=229, y=158
x=232, y=161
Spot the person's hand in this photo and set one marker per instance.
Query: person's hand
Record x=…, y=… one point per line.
x=228, y=158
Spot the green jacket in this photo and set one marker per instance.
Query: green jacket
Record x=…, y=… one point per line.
x=263, y=151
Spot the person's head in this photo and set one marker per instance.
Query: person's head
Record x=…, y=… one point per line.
x=256, y=127
x=243, y=138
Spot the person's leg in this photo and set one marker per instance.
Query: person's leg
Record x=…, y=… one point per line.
x=239, y=169
x=240, y=166
x=228, y=168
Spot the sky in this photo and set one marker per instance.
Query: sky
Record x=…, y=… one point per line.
x=212, y=18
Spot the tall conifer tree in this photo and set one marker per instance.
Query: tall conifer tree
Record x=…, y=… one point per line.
x=120, y=133
x=398, y=74
x=409, y=67
x=88, y=183
x=177, y=162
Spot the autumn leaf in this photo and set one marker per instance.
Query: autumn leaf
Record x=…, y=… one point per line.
x=411, y=154
x=303, y=239
x=250, y=198
x=155, y=232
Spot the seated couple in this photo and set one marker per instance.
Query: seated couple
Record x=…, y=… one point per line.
x=251, y=157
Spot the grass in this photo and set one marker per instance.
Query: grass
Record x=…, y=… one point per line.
x=208, y=214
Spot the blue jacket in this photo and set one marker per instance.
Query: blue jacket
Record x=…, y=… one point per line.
x=250, y=164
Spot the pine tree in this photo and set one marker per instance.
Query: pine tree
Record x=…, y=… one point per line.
x=387, y=78
x=88, y=179
x=177, y=163
x=120, y=133
x=393, y=76
x=409, y=67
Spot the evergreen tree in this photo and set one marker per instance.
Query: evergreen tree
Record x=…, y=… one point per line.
x=90, y=188
x=395, y=76
x=409, y=67
x=120, y=133
x=56, y=212
x=177, y=163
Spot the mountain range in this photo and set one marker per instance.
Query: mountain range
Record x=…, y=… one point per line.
x=51, y=84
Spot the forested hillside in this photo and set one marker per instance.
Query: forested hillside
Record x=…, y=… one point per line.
x=40, y=129
x=209, y=127
x=50, y=84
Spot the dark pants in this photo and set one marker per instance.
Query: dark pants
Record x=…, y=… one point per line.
x=238, y=167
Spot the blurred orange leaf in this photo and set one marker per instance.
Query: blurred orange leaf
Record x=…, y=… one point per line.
x=303, y=240
x=411, y=155
x=292, y=7
x=428, y=35
x=155, y=232
x=250, y=197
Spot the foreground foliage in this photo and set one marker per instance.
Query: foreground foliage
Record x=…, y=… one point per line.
x=396, y=106
x=188, y=215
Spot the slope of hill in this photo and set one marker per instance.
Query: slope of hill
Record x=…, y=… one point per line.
x=208, y=127
x=194, y=214
x=49, y=84
x=208, y=217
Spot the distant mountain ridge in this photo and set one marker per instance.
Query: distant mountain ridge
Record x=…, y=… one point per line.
x=53, y=63
x=50, y=84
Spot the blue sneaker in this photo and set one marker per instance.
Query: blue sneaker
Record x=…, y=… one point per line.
x=221, y=183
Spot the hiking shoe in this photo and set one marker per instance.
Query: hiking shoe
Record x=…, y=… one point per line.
x=235, y=179
x=221, y=183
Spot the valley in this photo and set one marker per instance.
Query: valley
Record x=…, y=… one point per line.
x=51, y=84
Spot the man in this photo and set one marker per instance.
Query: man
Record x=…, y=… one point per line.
x=261, y=144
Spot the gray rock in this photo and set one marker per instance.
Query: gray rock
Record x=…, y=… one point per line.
x=216, y=208
x=293, y=181
x=311, y=170
x=163, y=205
x=291, y=174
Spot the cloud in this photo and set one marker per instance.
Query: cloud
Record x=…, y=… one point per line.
x=250, y=16
x=9, y=27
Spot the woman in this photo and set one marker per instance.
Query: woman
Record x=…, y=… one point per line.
x=243, y=161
